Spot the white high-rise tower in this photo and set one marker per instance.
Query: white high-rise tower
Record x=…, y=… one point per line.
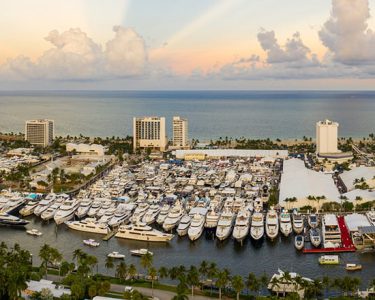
x=326, y=137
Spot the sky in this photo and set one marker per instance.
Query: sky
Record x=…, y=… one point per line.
x=187, y=44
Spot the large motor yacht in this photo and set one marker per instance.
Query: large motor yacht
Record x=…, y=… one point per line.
x=212, y=219
x=50, y=212
x=29, y=208
x=315, y=238
x=183, y=227
x=331, y=232
x=272, y=224
x=122, y=214
x=94, y=209
x=196, y=227
x=174, y=217
x=66, y=211
x=83, y=208
x=257, y=226
x=13, y=205
x=225, y=224
x=242, y=225
x=9, y=220
x=44, y=204
x=298, y=223
x=285, y=223
x=142, y=232
x=139, y=212
x=150, y=216
x=109, y=204
x=88, y=225
x=371, y=217
x=163, y=214
x=313, y=221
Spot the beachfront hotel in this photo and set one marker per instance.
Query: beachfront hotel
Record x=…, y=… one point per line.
x=326, y=137
x=39, y=132
x=180, y=133
x=149, y=132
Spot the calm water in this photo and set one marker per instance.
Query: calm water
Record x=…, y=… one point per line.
x=211, y=114
x=258, y=258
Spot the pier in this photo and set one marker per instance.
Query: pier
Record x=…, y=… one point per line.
x=346, y=241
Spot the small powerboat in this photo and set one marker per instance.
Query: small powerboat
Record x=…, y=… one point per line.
x=116, y=255
x=353, y=267
x=34, y=232
x=140, y=252
x=299, y=242
x=91, y=243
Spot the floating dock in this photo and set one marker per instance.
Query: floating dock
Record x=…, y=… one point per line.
x=346, y=241
x=109, y=235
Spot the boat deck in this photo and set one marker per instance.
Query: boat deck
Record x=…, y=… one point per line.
x=346, y=241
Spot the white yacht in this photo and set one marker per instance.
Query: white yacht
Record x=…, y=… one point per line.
x=212, y=219
x=315, y=238
x=196, y=227
x=140, y=252
x=298, y=223
x=242, y=225
x=163, y=214
x=116, y=255
x=257, y=226
x=108, y=215
x=13, y=205
x=29, y=208
x=66, y=211
x=83, y=208
x=299, y=242
x=122, y=214
x=50, y=212
x=183, y=227
x=313, y=220
x=44, y=204
x=285, y=223
x=371, y=217
x=34, y=232
x=105, y=206
x=174, y=217
x=94, y=209
x=142, y=232
x=272, y=224
x=88, y=225
x=150, y=216
x=225, y=224
x=331, y=232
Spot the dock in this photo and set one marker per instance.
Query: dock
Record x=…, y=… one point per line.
x=346, y=241
x=109, y=235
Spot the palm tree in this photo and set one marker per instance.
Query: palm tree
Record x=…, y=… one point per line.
x=147, y=260
x=252, y=283
x=237, y=284
x=211, y=273
x=193, y=278
x=203, y=269
x=122, y=271
x=109, y=263
x=326, y=282
x=285, y=280
x=263, y=281
x=132, y=271
x=222, y=280
x=163, y=272
x=153, y=275
x=77, y=254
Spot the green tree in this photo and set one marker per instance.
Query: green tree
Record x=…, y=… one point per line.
x=192, y=278
x=238, y=285
x=122, y=271
x=109, y=264
x=222, y=280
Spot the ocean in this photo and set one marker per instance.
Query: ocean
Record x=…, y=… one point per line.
x=211, y=114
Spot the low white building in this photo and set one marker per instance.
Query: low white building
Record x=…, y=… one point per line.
x=38, y=286
x=215, y=153
x=93, y=149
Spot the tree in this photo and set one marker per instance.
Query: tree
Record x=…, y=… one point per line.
x=147, y=260
x=252, y=283
x=92, y=291
x=237, y=284
x=163, y=272
x=49, y=255
x=326, y=283
x=109, y=264
x=193, y=278
x=132, y=271
x=122, y=271
x=152, y=273
x=222, y=280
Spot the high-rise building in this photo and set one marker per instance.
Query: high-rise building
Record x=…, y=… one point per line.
x=326, y=137
x=39, y=132
x=180, y=132
x=149, y=132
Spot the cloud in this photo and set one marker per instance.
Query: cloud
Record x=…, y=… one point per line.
x=75, y=56
x=346, y=33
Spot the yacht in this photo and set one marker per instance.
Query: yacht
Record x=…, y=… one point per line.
x=285, y=223
x=150, y=216
x=371, y=217
x=329, y=260
x=174, y=217
x=313, y=220
x=44, y=204
x=122, y=214
x=88, y=225
x=140, y=252
x=50, y=212
x=29, y=208
x=299, y=242
x=183, y=227
x=105, y=206
x=257, y=226
x=9, y=220
x=315, y=238
x=242, y=225
x=94, y=209
x=13, y=205
x=91, y=243
x=139, y=212
x=298, y=223
x=331, y=232
x=225, y=224
x=66, y=211
x=116, y=255
x=212, y=219
x=83, y=208
x=142, y=232
x=34, y=232
x=163, y=214
x=272, y=224
x=196, y=227
x=108, y=215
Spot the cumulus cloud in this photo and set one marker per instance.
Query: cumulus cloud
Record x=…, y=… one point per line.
x=346, y=33
x=75, y=56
